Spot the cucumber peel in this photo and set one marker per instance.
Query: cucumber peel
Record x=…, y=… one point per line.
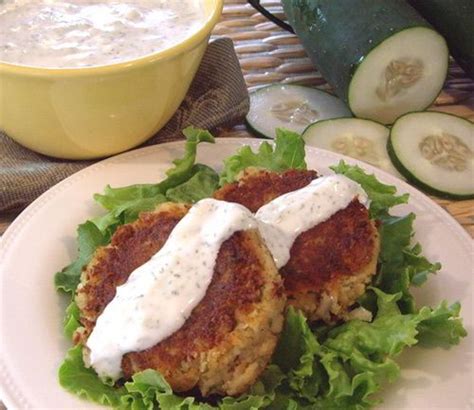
x=454, y=20
x=435, y=152
x=381, y=57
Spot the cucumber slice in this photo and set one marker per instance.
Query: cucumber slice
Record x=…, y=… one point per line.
x=362, y=139
x=435, y=151
x=293, y=107
x=405, y=73
x=381, y=57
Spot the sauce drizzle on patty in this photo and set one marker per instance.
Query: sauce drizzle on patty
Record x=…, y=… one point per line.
x=291, y=214
x=159, y=296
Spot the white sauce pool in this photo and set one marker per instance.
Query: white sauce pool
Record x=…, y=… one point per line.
x=84, y=33
x=286, y=217
x=159, y=296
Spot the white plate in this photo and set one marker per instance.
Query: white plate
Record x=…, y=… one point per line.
x=42, y=240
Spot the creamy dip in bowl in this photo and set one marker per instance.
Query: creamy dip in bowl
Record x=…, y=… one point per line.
x=83, y=33
x=89, y=78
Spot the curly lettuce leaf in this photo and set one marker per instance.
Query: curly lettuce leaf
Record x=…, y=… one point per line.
x=287, y=153
x=125, y=204
x=382, y=196
x=140, y=393
x=401, y=265
x=148, y=389
x=71, y=320
x=89, y=237
x=201, y=184
x=443, y=326
x=185, y=182
x=83, y=382
x=327, y=367
x=343, y=369
x=346, y=366
x=153, y=389
x=183, y=167
x=317, y=377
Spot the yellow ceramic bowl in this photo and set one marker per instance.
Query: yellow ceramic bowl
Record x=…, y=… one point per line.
x=92, y=112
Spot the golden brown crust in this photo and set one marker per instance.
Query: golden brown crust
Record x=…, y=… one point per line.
x=214, y=317
x=131, y=246
x=331, y=263
x=337, y=247
x=326, y=281
x=256, y=187
x=242, y=309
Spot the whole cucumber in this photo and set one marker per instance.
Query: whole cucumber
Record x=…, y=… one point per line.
x=454, y=19
x=381, y=57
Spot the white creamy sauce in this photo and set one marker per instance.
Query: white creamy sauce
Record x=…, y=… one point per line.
x=282, y=220
x=159, y=296
x=83, y=33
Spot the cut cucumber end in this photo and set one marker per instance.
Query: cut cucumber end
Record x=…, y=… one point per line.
x=365, y=140
x=293, y=107
x=404, y=73
x=435, y=151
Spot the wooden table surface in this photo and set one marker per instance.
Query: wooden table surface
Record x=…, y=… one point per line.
x=268, y=54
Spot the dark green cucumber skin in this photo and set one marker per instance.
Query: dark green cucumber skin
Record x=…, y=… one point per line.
x=454, y=19
x=412, y=178
x=338, y=34
x=256, y=132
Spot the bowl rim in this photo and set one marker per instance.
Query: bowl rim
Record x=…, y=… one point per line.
x=187, y=44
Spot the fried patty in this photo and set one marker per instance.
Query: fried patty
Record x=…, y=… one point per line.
x=230, y=336
x=331, y=263
x=256, y=188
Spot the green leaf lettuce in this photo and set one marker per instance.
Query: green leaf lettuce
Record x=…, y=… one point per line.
x=185, y=182
x=287, y=153
x=89, y=237
x=348, y=365
x=343, y=369
x=327, y=367
x=401, y=264
x=382, y=196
